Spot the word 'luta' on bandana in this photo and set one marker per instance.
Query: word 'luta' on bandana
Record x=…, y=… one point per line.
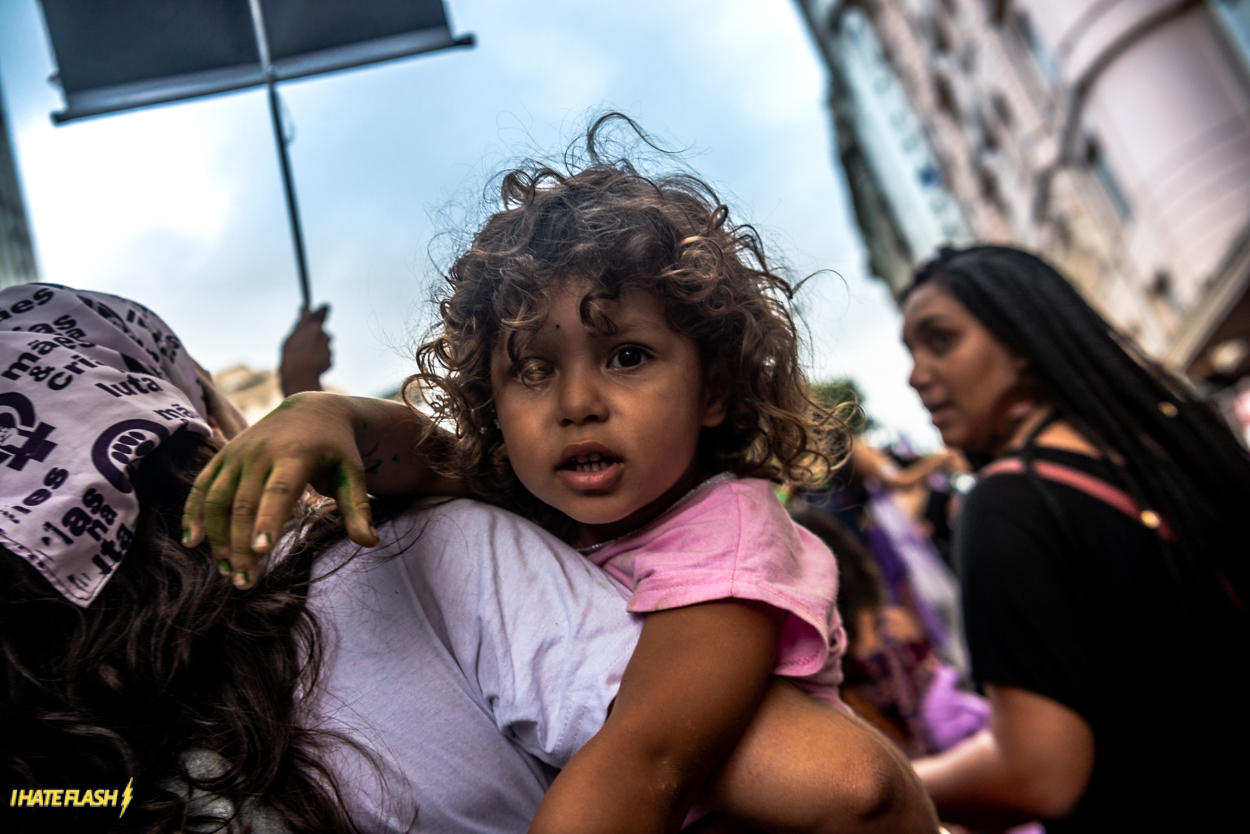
x=89, y=385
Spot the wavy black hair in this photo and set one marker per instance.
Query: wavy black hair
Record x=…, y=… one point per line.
x=1180, y=458
x=168, y=659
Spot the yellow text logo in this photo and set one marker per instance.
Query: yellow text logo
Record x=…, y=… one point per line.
x=71, y=798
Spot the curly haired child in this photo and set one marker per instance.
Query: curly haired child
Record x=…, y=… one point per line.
x=619, y=364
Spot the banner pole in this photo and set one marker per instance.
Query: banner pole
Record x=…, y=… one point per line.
x=288, y=182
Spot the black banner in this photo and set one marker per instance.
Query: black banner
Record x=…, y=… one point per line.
x=120, y=54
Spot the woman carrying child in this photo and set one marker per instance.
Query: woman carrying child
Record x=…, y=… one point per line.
x=620, y=365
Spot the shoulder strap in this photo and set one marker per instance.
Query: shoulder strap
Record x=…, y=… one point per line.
x=1086, y=483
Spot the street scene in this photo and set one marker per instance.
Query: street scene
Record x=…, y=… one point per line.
x=481, y=416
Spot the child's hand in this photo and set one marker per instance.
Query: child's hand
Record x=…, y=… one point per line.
x=248, y=490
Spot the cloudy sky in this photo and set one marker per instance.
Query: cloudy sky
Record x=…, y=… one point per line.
x=181, y=206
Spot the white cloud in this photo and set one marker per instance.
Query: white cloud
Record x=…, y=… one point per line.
x=94, y=186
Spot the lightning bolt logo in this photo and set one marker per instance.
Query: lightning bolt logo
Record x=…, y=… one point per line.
x=126, y=797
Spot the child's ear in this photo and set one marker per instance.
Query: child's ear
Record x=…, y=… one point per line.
x=714, y=412
x=715, y=399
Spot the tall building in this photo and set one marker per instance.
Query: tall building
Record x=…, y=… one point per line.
x=1112, y=136
x=17, y=259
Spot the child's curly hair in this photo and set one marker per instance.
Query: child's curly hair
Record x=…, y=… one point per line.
x=669, y=236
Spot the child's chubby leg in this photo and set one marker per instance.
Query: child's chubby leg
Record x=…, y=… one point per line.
x=802, y=766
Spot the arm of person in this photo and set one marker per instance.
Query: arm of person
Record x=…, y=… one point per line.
x=1033, y=763
x=690, y=689
x=872, y=463
x=802, y=766
x=346, y=447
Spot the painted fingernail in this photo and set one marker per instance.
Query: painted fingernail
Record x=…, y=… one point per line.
x=186, y=537
x=240, y=578
x=262, y=540
x=223, y=567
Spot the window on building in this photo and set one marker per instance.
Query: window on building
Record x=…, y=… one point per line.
x=1161, y=284
x=989, y=135
x=996, y=10
x=1002, y=109
x=990, y=190
x=944, y=95
x=1163, y=289
x=941, y=38
x=1097, y=163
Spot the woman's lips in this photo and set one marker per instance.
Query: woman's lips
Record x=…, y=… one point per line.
x=939, y=413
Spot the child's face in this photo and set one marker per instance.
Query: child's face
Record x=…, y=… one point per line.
x=604, y=428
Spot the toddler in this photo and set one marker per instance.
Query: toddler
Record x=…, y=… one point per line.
x=619, y=364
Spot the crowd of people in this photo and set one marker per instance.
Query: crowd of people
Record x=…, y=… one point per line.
x=556, y=590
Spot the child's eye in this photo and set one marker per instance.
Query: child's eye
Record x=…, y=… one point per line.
x=534, y=372
x=629, y=357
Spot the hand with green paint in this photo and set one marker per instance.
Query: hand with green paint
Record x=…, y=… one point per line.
x=346, y=448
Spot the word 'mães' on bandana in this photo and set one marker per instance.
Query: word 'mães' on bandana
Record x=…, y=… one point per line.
x=89, y=384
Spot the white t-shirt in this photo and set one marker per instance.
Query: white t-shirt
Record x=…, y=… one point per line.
x=473, y=653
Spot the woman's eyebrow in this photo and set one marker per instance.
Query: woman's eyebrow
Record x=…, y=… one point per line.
x=930, y=320
x=921, y=326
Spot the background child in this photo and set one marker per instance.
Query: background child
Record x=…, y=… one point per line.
x=619, y=364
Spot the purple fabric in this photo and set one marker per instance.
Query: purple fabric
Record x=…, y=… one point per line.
x=935, y=589
x=893, y=571
x=951, y=714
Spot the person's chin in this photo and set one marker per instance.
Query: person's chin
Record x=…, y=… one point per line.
x=946, y=424
x=955, y=436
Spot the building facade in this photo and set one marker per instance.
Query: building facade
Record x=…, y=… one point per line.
x=17, y=258
x=1112, y=136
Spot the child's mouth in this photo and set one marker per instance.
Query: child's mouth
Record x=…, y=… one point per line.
x=591, y=472
x=593, y=462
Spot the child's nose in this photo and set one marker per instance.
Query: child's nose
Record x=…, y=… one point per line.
x=581, y=399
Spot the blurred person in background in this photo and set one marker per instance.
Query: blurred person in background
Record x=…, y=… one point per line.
x=893, y=526
x=1102, y=563
x=891, y=675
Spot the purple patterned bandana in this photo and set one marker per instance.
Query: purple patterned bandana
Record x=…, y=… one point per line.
x=89, y=384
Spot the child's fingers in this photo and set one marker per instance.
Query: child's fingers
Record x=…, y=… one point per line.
x=243, y=510
x=218, y=506
x=352, y=498
x=193, y=510
x=281, y=490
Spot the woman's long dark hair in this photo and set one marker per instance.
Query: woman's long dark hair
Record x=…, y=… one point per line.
x=1180, y=458
x=169, y=658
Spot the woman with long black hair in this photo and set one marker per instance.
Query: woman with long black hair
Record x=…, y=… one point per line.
x=436, y=683
x=140, y=690
x=1103, y=566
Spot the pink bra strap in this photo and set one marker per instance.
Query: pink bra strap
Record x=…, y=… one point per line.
x=1088, y=484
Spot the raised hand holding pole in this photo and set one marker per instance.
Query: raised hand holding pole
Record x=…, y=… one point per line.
x=288, y=182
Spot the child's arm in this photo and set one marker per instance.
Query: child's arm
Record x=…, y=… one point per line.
x=690, y=689
x=675, y=735
x=346, y=447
